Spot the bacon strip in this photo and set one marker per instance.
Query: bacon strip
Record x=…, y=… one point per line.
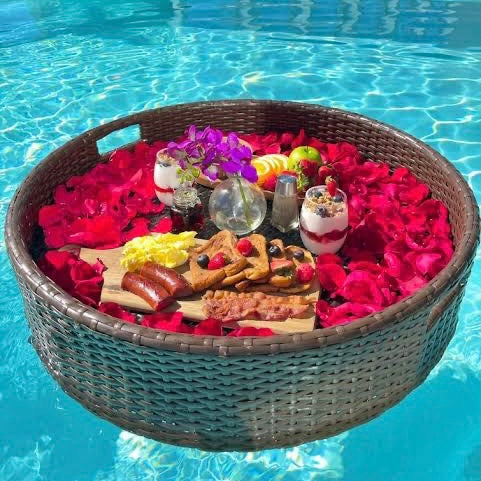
x=233, y=306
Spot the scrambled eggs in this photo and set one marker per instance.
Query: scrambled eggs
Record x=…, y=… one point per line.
x=169, y=250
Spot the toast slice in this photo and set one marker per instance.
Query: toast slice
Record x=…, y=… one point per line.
x=279, y=283
x=257, y=263
x=298, y=287
x=225, y=242
x=267, y=282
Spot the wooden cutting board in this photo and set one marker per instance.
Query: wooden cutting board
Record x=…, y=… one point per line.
x=190, y=306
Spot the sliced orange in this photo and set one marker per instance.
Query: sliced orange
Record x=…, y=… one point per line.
x=263, y=170
x=278, y=162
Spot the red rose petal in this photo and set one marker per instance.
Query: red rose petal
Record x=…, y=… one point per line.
x=286, y=139
x=254, y=140
x=368, y=266
x=50, y=215
x=299, y=139
x=139, y=227
x=331, y=276
x=167, y=321
x=348, y=312
x=360, y=287
x=323, y=310
x=163, y=226
x=410, y=287
x=274, y=148
x=251, y=331
x=208, y=327
x=328, y=259
x=114, y=310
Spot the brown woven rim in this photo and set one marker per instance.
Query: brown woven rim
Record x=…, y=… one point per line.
x=232, y=346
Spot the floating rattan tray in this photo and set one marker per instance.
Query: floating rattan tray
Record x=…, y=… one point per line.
x=243, y=393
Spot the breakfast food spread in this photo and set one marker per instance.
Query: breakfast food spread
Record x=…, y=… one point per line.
x=224, y=266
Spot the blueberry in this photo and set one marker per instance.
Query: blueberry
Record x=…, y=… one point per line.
x=203, y=261
x=274, y=250
x=299, y=255
x=322, y=211
x=165, y=164
x=338, y=198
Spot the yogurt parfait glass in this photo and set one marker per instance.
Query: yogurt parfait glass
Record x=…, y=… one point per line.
x=323, y=222
x=165, y=177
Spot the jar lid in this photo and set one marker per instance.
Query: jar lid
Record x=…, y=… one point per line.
x=185, y=197
x=286, y=185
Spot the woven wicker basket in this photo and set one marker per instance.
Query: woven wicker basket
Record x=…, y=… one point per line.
x=243, y=393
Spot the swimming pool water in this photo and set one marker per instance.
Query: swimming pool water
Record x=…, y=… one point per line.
x=66, y=66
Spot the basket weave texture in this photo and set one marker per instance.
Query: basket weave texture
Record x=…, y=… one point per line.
x=243, y=393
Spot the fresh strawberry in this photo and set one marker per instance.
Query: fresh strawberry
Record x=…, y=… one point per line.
x=304, y=273
x=217, y=262
x=244, y=246
x=331, y=186
x=282, y=267
x=270, y=183
x=308, y=167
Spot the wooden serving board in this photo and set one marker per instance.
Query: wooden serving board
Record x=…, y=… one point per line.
x=190, y=306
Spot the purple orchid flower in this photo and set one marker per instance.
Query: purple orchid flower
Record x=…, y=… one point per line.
x=210, y=152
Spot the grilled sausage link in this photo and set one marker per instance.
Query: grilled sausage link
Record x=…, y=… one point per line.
x=173, y=282
x=151, y=292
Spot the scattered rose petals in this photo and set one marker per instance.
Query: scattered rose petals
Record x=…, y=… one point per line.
x=106, y=206
x=75, y=276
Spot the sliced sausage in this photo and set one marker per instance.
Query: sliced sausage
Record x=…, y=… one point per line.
x=173, y=282
x=151, y=292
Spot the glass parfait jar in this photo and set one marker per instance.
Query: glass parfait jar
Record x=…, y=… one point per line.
x=323, y=222
x=237, y=205
x=166, y=179
x=187, y=212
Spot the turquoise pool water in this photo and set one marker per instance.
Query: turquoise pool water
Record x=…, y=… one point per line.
x=66, y=66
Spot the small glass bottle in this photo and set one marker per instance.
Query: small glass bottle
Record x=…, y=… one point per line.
x=187, y=212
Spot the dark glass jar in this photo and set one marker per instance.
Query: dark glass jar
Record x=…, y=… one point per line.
x=187, y=212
